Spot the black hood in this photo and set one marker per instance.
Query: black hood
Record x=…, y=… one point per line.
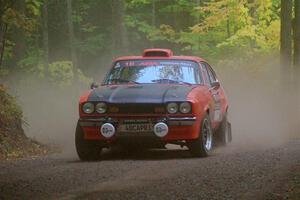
x=146, y=93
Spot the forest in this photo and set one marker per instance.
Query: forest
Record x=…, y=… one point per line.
x=52, y=50
x=62, y=40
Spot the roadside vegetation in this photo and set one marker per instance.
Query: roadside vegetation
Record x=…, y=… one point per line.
x=13, y=142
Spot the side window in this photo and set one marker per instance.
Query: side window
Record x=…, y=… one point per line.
x=205, y=74
x=198, y=75
x=211, y=73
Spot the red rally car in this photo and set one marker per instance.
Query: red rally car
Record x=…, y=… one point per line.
x=152, y=100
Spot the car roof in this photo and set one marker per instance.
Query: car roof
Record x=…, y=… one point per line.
x=167, y=54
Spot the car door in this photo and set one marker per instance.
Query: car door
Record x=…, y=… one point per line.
x=216, y=105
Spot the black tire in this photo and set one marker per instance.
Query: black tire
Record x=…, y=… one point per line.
x=86, y=150
x=224, y=132
x=203, y=145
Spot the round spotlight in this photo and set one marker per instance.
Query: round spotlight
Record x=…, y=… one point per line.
x=108, y=130
x=161, y=129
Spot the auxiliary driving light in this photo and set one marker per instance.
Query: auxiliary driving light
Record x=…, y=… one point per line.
x=108, y=130
x=161, y=129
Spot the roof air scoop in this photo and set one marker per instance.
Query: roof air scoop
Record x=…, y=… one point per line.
x=157, y=53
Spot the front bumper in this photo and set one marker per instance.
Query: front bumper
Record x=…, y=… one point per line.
x=180, y=128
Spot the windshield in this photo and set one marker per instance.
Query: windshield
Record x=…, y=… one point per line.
x=154, y=71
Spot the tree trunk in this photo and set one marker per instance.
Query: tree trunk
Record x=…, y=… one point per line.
x=286, y=33
x=120, y=44
x=18, y=37
x=297, y=57
x=252, y=5
x=3, y=30
x=113, y=30
x=198, y=4
x=124, y=34
x=286, y=57
x=72, y=37
x=228, y=27
x=252, y=11
x=297, y=34
x=45, y=37
x=153, y=18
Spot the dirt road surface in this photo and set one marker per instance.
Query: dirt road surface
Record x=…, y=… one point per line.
x=231, y=173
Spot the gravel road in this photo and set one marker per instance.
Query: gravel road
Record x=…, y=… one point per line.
x=231, y=173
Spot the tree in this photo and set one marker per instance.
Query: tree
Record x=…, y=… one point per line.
x=297, y=34
x=18, y=36
x=71, y=36
x=235, y=29
x=18, y=23
x=45, y=35
x=3, y=27
x=297, y=49
x=80, y=30
x=3, y=31
x=119, y=29
x=286, y=33
x=153, y=17
x=198, y=4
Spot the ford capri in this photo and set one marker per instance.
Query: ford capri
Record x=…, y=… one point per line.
x=153, y=100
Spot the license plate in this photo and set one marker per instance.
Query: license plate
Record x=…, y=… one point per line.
x=136, y=128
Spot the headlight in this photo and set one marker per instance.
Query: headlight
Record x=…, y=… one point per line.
x=88, y=108
x=172, y=108
x=185, y=107
x=101, y=108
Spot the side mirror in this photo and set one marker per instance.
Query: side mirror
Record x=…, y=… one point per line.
x=215, y=85
x=94, y=85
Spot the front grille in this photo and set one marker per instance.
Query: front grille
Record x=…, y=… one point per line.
x=135, y=108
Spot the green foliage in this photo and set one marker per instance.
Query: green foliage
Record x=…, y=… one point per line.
x=244, y=29
x=62, y=74
x=33, y=7
x=162, y=33
x=91, y=45
x=26, y=19
x=214, y=29
x=32, y=62
x=220, y=28
x=137, y=3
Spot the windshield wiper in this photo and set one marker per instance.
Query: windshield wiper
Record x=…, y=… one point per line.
x=120, y=80
x=186, y=83
x=169, y=81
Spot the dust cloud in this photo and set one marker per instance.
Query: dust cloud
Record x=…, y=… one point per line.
x=263, y=108
x=51, y=111
x=264, y=104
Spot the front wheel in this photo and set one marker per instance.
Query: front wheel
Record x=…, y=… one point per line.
x=86, y=150
x=203, y=145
